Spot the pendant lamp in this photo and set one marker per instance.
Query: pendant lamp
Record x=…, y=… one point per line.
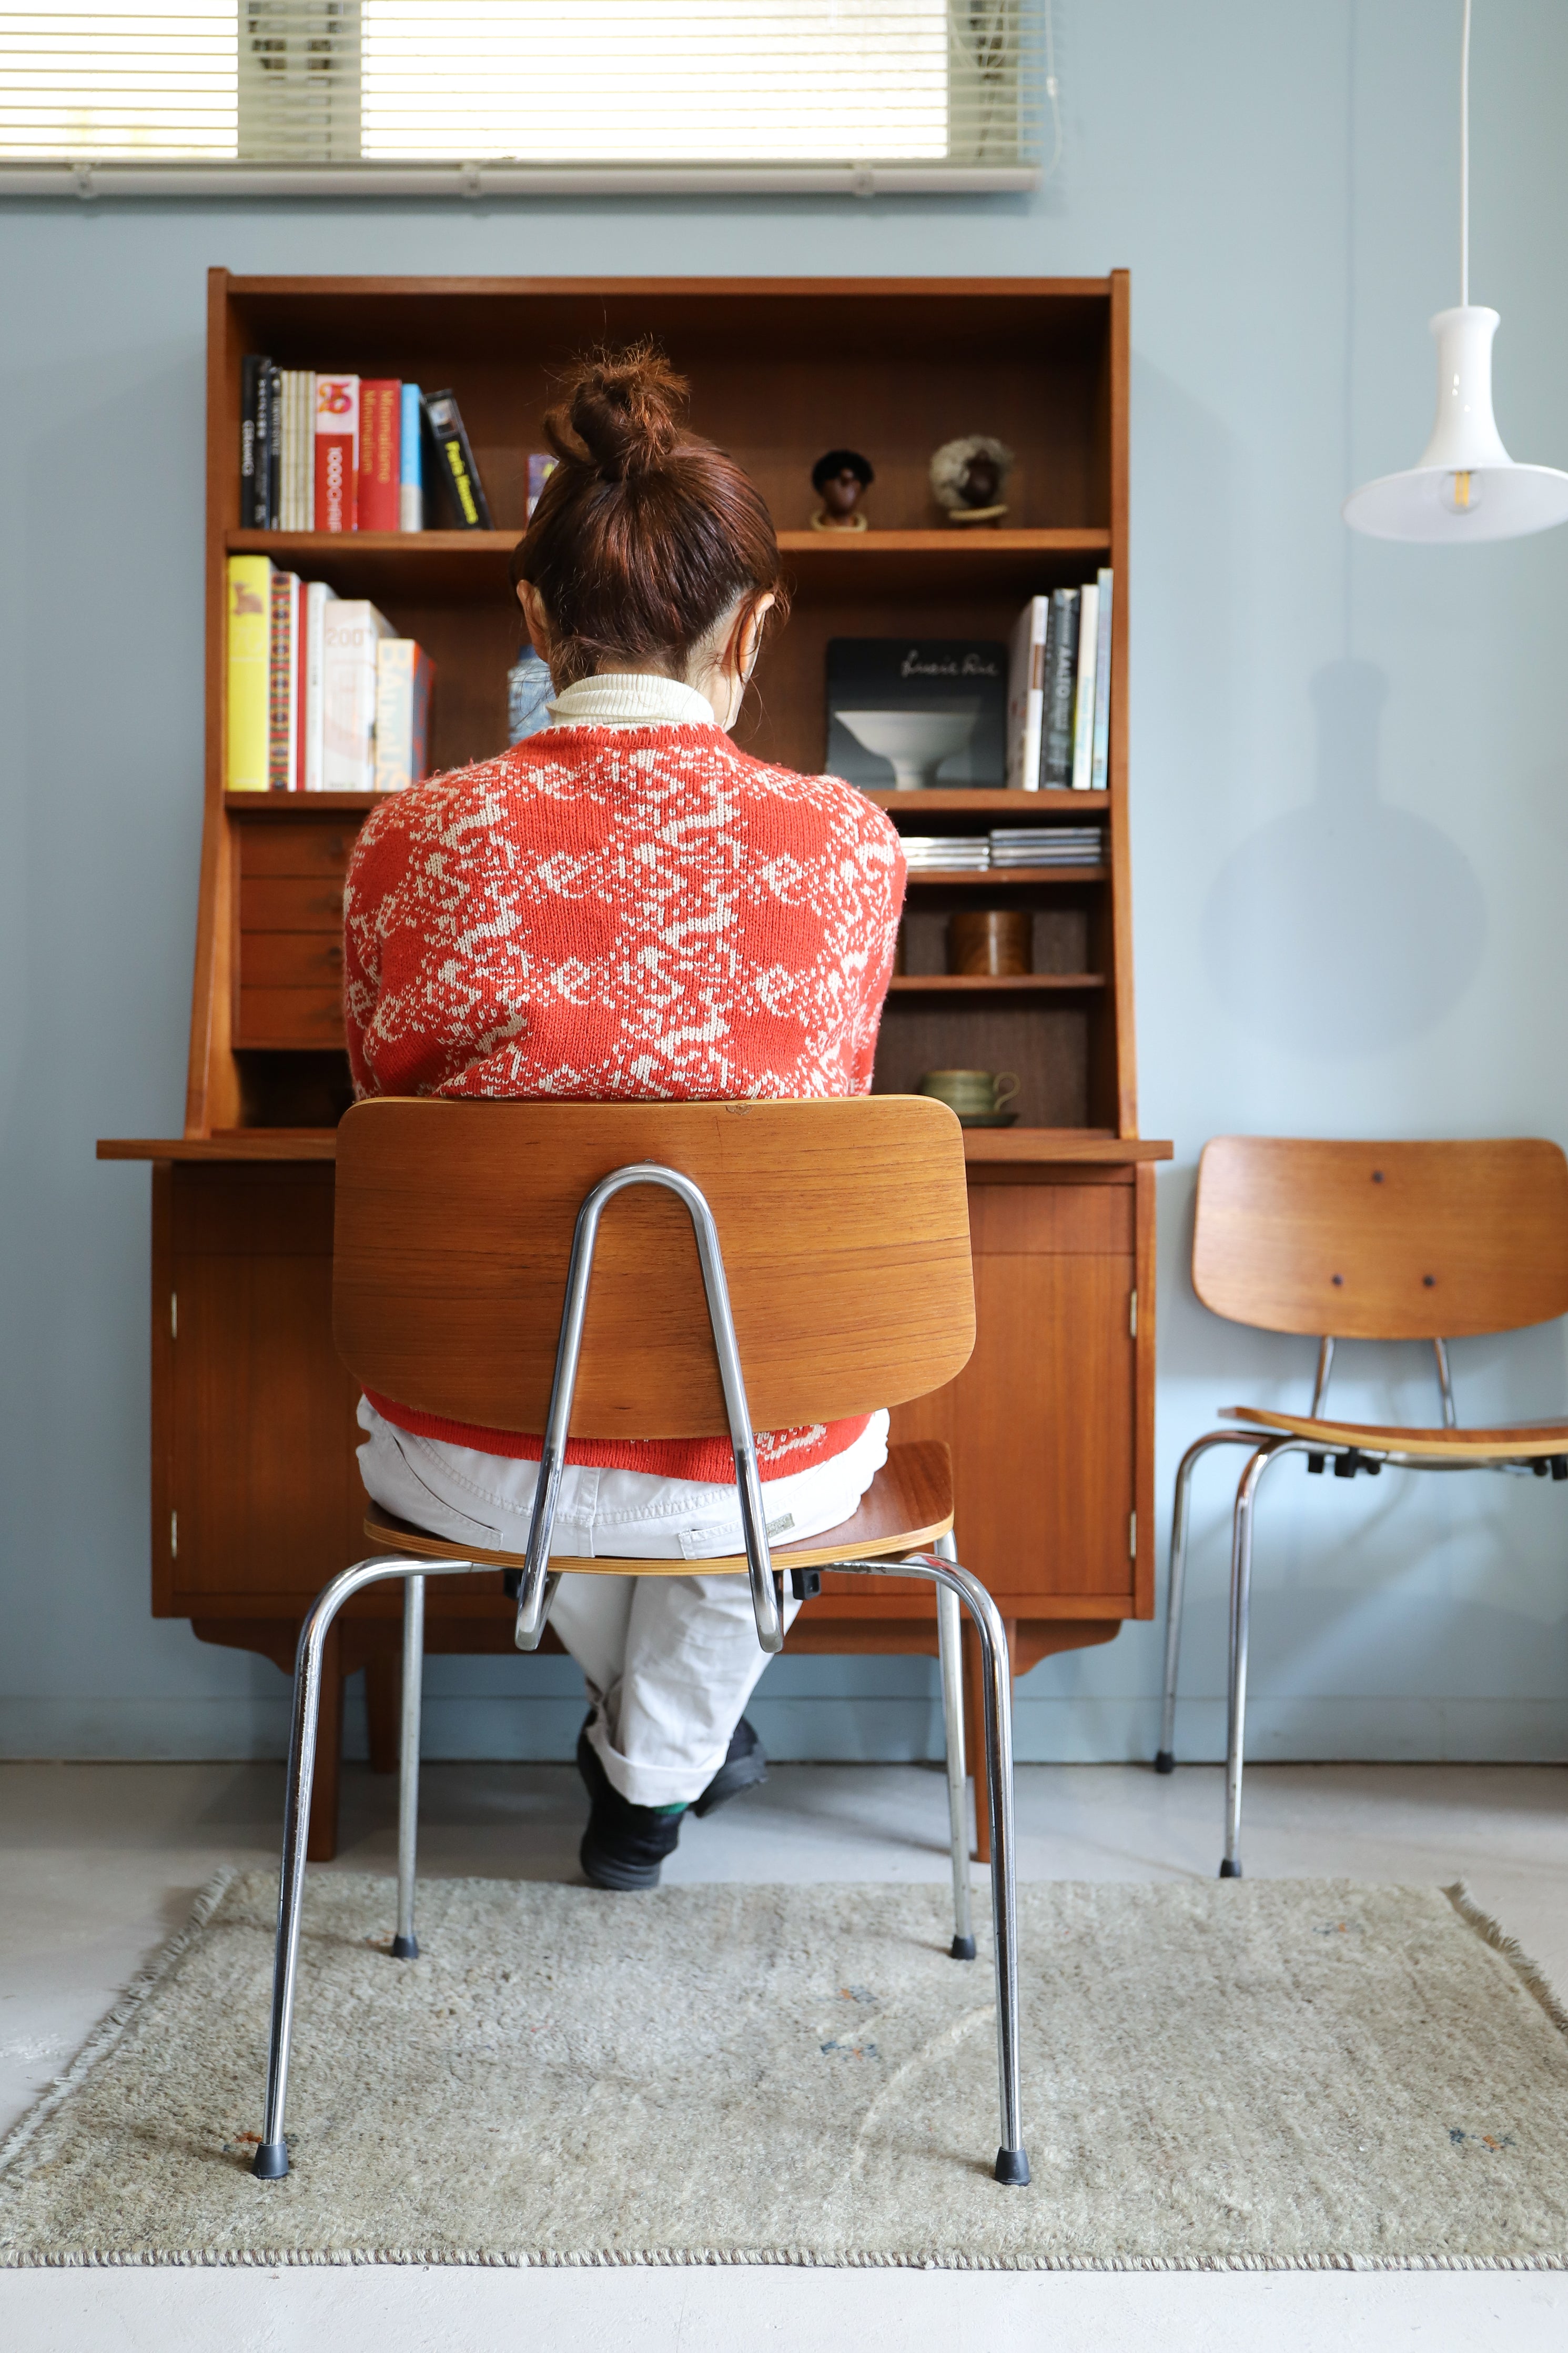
x=1466, y=486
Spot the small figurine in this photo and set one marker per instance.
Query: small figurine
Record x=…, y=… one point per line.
x=838, y=479
x=969, y=476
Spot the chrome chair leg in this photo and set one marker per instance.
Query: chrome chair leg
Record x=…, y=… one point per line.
x=405, y=1944
x=949, y=1645
x=1012, y=2162
x=1175, y=1588
x=271, y=2159
x=1240, y=1616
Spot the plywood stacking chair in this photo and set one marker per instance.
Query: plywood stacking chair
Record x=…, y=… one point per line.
x=1364, y=1241
x=480, y=1272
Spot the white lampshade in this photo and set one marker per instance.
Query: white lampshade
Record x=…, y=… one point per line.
x=1466, y=486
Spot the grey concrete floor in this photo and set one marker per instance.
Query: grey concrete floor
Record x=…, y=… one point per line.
x=98, y=1865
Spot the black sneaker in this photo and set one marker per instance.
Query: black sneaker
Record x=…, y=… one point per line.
x=624, y=1845
x=744, y=1767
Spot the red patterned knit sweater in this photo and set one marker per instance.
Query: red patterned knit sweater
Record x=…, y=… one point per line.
x=621, y=912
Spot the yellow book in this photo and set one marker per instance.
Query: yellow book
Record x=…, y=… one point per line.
x=249, y=605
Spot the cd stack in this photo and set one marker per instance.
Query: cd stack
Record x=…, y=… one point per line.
x=946, y=853
x=1061, y=845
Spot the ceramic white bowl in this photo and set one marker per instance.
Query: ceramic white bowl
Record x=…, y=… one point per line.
x=916, y=742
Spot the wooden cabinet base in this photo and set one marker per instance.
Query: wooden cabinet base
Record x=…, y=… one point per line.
x=257, y=1500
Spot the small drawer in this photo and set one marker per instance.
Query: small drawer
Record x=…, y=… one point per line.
x=290, y=960
x=310, y=847
x=290, y=1017
x=1050, y=1220
x=290, y=903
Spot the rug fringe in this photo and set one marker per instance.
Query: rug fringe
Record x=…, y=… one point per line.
x=107, y=2031
x=1530, y=1975
x=739, y=2258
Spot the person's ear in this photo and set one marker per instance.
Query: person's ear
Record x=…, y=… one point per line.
x=540, y=633
x=750, y=634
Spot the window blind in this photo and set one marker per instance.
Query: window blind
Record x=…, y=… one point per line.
x=472, y=96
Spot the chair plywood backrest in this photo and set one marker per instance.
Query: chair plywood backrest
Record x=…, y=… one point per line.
x=1381, y=1241
x=844, y=1225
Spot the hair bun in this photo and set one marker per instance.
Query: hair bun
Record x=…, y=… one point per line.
x=623, y=411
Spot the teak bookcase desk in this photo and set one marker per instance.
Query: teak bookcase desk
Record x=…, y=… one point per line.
x=255, y=1493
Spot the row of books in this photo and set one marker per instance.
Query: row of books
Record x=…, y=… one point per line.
x=349, y=453
x=1004, y=847
x=1058, y=690
x=322, y=694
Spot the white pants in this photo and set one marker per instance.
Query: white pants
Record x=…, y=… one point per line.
x=670, y=1661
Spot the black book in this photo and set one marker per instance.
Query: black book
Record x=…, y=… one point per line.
x=1061, y=676
x=272, y=411
x=455, y=468
x=903, y=711
x=251, y=437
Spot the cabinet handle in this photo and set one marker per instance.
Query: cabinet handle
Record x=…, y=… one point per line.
x=1132, y=1315
x=1131, y=1535
x=174, y=1315
x=174, y=1536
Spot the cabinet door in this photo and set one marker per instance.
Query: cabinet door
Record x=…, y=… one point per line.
x=263, y=1498
x=1042, y=1419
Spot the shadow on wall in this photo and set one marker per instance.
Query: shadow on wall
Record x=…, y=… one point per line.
x=1347, y=926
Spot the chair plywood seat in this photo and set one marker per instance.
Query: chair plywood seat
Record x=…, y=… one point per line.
x=908, y=1505
x=1519, y=1441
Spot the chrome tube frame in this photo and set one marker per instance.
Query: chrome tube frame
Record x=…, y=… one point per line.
x=533, y=1599
x=272, y=2161
x=1320, y=1382
x=949, y=1650
x=1175, y=1588
x=1268, y=1450
x=1445, y=1384
x=405, y=1944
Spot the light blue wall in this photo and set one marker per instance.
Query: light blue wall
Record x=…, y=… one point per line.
x=1349, y=829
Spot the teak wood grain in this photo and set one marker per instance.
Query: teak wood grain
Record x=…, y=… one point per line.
x=844, y=1226
x=1381, y=1241
x=1518, y=1442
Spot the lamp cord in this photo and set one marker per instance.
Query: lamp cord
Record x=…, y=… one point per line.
x=1464, y=162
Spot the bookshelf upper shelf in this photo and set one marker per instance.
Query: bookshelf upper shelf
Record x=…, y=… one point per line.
x=454, y=565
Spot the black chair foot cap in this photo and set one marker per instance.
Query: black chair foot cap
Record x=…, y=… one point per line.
x=271, y=2162
x=405, y=1948
x=1013, y=2167
x=962, y=1949
x=1166, y=1761
x=1229, y=1869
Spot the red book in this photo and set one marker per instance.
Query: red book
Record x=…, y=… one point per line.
x=337, y=453
x=379, y=453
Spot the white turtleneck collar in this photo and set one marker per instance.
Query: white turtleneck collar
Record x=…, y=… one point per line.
x=631, y=698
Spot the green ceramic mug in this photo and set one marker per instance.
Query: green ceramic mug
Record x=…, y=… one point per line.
x=973, y=1094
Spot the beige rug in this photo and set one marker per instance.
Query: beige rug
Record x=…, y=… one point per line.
x=1264, y=2074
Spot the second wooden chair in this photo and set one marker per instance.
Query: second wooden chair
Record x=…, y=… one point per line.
x=1427, y=1241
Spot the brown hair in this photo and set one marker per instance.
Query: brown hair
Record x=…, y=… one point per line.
x=644, y=537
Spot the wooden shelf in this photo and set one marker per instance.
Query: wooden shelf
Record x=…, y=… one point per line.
x=274, y=804
x=444, y=566
x=975, y=803
x=992, y=877
x=1045, y=1145
x=985, y=984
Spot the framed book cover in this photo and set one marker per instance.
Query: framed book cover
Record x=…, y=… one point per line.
x=907, y=713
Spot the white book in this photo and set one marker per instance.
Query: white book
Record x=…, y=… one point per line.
x=318, y=596
x=351, y=630
x=308, y=451
x=1083, y=696
x=1026, y=695
x=1099, y=766
x=285, y=451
